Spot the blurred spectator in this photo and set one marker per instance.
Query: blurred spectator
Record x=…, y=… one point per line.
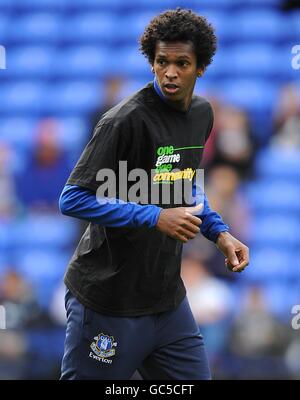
x=210, y=149
x=255, y=331
x=41, y=182
x=21, y=313
x=287, y=118
x=258, y=340
x=232, y=140
x=7, y=199
x=112, y=88
x=211, y=303
x=292, y=356
x=209, y=297
x=226, y=198
x=57, y=306
x=21, y=306
x=13, y=343
x=13, y=355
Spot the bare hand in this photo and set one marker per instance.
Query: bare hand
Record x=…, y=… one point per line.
x=180, y=223
x=236, y=253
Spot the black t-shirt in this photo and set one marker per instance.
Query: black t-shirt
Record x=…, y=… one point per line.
x=136, y=271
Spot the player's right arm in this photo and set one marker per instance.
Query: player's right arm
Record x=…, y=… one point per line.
x=178, y=223
x=82, y=203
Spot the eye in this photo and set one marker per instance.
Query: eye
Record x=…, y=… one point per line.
x=183, y=63
x=161, y=62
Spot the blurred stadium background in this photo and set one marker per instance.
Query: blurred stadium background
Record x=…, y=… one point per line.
x=67, y=61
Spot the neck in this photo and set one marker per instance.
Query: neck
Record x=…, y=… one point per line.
x=181, y=105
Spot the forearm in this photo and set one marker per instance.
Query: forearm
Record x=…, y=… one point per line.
x=212, y=223
x=82, y=203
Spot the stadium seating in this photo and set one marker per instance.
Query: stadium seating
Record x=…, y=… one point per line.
x=130, y=27
x=220, y=67
x=94, y=5
x=154, y=5
x=295, y=26
x=279, y=163
x=276, y=230
x=39, y=5
x=134, y=64
x=258, y=3
x=44, y=232
x=83, y=62
x=44, y=270
x=72, y=133
x=29, y=62
x=274, y=196
x=225, y=29
x=253, y=95
x=62, y=98
x=22, y=97
x=280, y=298
x=253, y=60
x=4, y=237
x=89, y=28
x=59, y=53
x=271, y=264
x=18, y=132
x=4, y=23
x=132, y=86
x=40, y=27
x=262, y=25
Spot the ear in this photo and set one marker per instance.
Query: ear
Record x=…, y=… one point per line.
x=200, y=71
x=152, y=69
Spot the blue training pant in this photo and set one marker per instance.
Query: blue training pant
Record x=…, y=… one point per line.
x=166, y=345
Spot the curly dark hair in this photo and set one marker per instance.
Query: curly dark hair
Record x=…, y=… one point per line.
x=180, y=25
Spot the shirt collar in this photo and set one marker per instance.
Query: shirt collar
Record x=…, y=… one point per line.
x=161, y=95
x=158, y=89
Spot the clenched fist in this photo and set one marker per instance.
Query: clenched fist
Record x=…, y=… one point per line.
x=180, y=223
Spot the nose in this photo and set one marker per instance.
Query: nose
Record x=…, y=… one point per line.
x=171, y=72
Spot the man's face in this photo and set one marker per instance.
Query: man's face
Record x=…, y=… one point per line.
x=175, y=67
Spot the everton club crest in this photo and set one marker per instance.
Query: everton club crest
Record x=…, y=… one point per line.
x=104, y=345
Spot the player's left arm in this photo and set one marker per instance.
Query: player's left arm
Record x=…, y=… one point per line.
x=214, y=229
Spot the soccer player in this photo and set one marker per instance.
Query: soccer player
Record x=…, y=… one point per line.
x=126, y=303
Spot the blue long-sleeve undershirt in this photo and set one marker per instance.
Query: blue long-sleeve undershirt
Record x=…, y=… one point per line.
x=212, y=223
x=82, y=203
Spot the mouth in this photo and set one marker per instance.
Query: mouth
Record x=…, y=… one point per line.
x=171, y=88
